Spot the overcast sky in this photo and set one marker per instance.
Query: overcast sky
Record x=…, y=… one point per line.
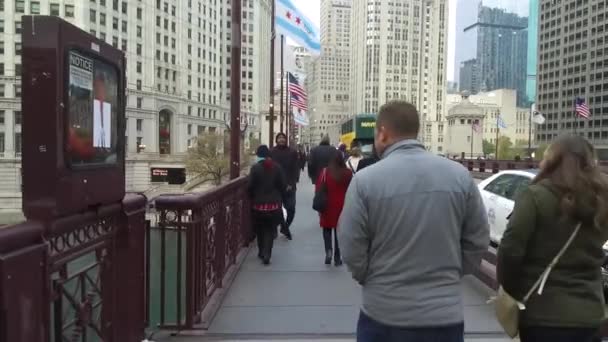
x=311, y=9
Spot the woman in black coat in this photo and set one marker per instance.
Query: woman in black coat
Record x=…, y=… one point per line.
x=266, y=188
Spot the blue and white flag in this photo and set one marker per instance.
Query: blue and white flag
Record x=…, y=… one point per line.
x=300, y=117
x=500, y=123
x=291, y=22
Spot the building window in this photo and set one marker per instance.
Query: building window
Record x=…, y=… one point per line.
x=17, y=27
x=18, y=70
x=2, y=114
x=2, y=142
x=19, y=6
x=138, y=84
x=2, y=90
x=18, y=143
x=55, y=9
x=140, y=101
x=139, y=13
x=69, y=11
x=123, y=45
x=1, y=25
x=35, y=7
x=139, y=123
x=18, y=91
x=139, y=30
x=93, y=16
x=18, y=118
x=1, y=47
x=115, y=23
x=124, y=7
x=1, y=69
x=102, y=18
x=124, y=26
x=138, y=50
x=189, y=129
x=139, y=67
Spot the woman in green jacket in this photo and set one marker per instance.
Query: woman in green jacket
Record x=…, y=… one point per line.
x=569, y=189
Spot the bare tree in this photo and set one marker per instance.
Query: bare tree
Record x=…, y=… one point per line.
x=205, y=160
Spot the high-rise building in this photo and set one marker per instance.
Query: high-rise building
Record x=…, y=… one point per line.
x=399, y=51
x=469, y=76
x=532, y=51
x=177, y=61
x=329, y=78
x=466, y=42
x=502, y=44
x=571, y=64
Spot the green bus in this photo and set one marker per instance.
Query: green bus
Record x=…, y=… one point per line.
x=359, y=131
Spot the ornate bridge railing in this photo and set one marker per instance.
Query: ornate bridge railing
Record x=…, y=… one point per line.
x=78, y=278
x=195, y=246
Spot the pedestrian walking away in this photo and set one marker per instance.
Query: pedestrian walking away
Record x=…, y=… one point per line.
x=287, y=158
x=266, y=189
x=355, y=157
x=367, y=161
x=409, y=260
x=319, y=158
x=335, y=178
x=565, y=208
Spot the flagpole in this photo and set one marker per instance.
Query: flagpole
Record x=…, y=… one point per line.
x=530, y=133
x=272, y=78
x=288, y=104
x=497, y=132
x=575, y=117
x=282, y=82
x=472, y=132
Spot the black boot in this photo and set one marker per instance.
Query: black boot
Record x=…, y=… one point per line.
x=328, y=257
x=285, y=231
x=337, y=259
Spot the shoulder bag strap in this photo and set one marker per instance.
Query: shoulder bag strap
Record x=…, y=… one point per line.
x=540, y=283
x=350, y=165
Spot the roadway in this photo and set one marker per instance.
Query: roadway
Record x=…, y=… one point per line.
x=299, y=298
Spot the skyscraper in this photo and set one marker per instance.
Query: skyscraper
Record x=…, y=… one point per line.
x=571, y=64
x=532, y=51
x=466, y=42
x=329, y=80
x=399, y=52
x=502, y=44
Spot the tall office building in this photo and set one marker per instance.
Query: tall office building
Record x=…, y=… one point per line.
x=532, y=51
x=399, y=52
x=469, y=76
x=571, y=63
x=329, y=78
x=176, y=66
x=465, y=42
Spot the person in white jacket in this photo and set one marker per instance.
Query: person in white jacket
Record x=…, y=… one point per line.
x=355, y=157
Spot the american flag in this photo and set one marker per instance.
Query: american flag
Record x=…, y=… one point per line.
x=297, y=93
x=581, y=108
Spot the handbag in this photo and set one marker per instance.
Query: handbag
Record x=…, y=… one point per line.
x=507, y=308
x=319, y=201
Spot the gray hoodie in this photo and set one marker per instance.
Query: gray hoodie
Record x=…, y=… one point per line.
x=412, y=225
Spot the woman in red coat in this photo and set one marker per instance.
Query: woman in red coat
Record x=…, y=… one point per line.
x=337, y=178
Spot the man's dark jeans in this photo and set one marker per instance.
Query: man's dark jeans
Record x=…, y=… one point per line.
x=368, y=330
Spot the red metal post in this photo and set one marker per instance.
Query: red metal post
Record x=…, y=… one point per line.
x=235, y=91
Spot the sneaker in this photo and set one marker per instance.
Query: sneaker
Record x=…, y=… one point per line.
x=328, y=257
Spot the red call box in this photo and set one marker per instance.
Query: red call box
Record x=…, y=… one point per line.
x=73, y=105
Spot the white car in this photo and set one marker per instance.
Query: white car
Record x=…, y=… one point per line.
x=498, y=193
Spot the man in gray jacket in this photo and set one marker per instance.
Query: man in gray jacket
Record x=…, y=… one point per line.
x=412, y=225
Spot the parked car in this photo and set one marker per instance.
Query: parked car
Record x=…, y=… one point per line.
x=498, y=193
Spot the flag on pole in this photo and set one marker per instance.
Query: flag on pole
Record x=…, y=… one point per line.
x=297, y=93
x=476, y=126
x=537, y=117
x=500, y=123
x=291, y=22
x=581, y=108
x=300, y=117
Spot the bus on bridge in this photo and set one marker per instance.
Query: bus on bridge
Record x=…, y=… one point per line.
x=358, y=131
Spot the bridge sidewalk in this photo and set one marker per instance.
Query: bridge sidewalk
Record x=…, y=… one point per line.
x=301, y=298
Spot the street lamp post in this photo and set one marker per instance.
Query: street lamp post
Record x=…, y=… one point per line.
x=235, y=91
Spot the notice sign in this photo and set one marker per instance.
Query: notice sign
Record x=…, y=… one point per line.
x=81, y=71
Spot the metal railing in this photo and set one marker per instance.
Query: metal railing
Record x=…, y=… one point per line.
x=76, y=278
x=196, y=244
x=495, y=166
